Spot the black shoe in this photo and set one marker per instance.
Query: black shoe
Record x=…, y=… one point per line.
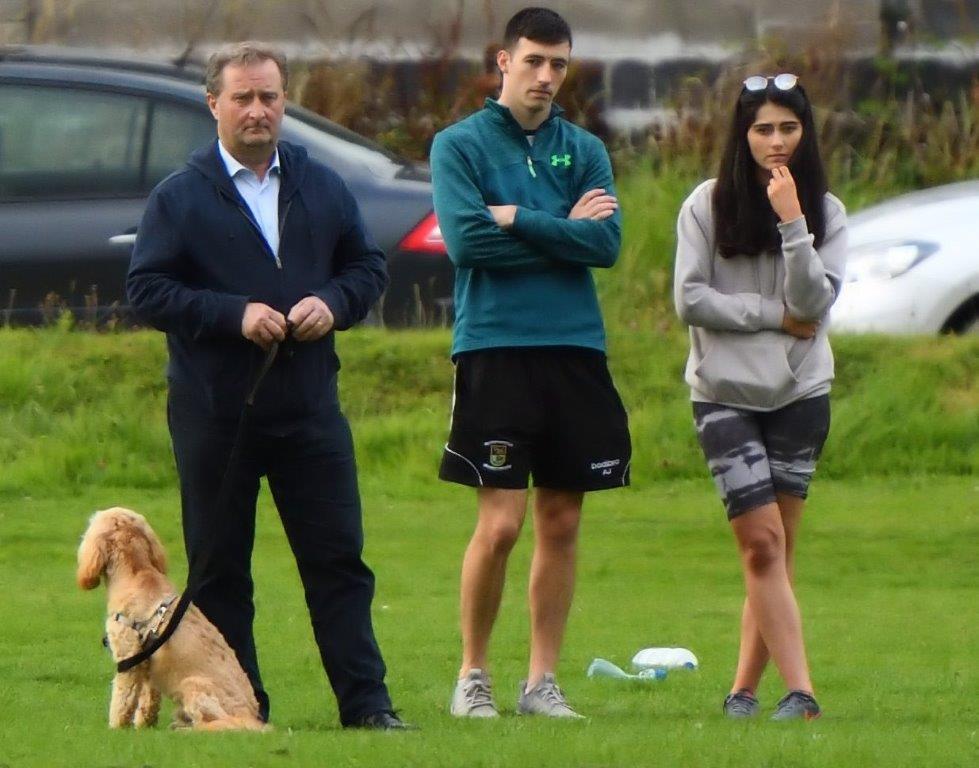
x=797, y=705
x=382, y=721
x=741, y=704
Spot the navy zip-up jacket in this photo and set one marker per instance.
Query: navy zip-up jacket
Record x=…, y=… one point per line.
x=200, y=257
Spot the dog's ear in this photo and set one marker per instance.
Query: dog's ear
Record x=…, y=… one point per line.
x=91, y=561
x=158, y=555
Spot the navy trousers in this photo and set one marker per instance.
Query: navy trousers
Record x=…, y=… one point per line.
x=311, y=472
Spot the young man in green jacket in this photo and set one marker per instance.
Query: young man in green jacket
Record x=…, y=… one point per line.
x=526, y=204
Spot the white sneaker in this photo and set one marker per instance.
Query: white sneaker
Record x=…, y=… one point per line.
x=545, y=698
x=473, y=696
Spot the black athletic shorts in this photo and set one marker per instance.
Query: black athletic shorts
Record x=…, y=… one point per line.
x=753, y=455
x=549, y=412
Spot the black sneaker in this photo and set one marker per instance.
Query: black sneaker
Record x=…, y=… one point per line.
x=382, y=721
x=797, y=705
x=740, y=705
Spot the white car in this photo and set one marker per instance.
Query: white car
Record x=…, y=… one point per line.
x=913, y=265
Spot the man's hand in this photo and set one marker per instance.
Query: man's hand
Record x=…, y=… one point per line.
x=262, y=324
x=503, y=215
x=594, y=205
x=801, y=329
x=311, y=319
x=783, y=196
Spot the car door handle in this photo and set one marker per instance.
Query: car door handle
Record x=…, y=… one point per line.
x=126, y=238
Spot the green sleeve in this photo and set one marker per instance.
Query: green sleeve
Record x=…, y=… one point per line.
x=471, y=235
x=578, y=241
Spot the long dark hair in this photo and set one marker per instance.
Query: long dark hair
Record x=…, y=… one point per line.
x=744, y=220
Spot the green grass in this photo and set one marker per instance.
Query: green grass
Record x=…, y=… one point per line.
x=887, y=562
x=82, y=410
x=886, y=572
x=887, y=567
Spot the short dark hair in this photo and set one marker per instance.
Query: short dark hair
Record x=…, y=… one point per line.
x=744, y=222
x=242, y=54
x=541, y=25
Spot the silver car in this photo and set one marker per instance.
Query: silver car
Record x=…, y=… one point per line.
x=913, y=265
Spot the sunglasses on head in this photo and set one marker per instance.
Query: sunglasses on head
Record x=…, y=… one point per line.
x=784, y=82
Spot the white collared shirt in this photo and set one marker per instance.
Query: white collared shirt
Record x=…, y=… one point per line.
x=262, y=196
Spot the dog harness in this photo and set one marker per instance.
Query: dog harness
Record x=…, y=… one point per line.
x=148, y=628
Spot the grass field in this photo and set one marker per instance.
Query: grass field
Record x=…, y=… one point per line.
x=887, y=573
x=887, y=569
x=86, y=410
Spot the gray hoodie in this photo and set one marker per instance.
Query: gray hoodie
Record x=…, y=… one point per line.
x=739, y=355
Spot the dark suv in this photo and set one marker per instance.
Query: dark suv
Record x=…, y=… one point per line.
x=83, y=140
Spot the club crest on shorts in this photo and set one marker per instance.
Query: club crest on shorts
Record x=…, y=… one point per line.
x=498, y=456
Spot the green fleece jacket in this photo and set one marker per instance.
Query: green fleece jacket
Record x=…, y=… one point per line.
x=529, y=286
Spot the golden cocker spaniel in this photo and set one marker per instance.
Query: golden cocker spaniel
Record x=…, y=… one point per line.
x=195, y=667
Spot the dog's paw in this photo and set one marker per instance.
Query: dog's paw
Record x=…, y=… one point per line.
x=181, y=720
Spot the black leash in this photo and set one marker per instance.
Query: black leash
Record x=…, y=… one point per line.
x=195, y=577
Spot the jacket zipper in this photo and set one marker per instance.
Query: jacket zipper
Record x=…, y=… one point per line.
x=258, y=231
x=282, y=228
x=530, y=160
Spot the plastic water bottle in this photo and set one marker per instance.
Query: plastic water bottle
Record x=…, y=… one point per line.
x=604, y=668
x=651, y=673
x=664, y=658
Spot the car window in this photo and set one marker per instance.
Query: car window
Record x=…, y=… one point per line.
x=340, y=152
x=62, y=143
x=175, y=132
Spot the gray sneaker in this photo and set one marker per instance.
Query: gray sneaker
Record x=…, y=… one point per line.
x=740, y=705
x=545, y=698
x=797, y=705
x=473, y=696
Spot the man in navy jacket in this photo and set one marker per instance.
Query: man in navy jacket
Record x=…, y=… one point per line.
x=252, y=243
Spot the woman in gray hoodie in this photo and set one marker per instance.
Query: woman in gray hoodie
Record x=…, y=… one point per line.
x=759, y=262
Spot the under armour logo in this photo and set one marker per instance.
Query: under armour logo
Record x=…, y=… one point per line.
x=564, y=160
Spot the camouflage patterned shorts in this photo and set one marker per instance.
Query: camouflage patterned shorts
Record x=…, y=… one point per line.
x=753, y=455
